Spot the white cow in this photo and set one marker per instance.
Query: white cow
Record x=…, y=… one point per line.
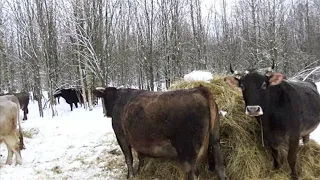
x=9, y=119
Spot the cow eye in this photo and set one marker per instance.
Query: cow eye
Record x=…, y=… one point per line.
x=264, y=85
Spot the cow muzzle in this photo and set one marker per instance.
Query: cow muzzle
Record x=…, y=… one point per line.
x=254, y=111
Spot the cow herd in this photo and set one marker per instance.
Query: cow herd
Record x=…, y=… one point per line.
x=184, y=125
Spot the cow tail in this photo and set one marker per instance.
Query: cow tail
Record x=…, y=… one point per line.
x=21, y=146
x=214, y=154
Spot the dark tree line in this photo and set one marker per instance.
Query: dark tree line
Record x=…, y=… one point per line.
x=48, y=44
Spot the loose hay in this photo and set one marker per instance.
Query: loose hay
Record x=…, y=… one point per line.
x=29, y=133
x=244, y=154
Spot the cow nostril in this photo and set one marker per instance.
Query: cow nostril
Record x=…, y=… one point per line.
x=258, y=109
x=248, y=109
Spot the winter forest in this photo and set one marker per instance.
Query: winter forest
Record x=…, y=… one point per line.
x=46, y=44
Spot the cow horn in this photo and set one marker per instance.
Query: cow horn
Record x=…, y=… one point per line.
x=231, y=70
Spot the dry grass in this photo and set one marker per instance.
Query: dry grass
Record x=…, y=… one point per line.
x=244, y=154
x=29, y=133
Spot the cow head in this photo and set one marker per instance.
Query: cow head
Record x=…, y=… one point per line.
x=255, y=86
x=109, y=96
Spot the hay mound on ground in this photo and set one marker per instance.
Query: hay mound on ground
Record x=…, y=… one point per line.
x=244, y=154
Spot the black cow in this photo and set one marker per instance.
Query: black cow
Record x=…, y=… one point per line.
x=23, y=98
x=287, y=110
x=71, y=95
x=181, y=125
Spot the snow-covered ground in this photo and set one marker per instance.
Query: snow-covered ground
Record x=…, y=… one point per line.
x=74, y=145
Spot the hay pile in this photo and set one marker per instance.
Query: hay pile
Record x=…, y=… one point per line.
x=241, y=145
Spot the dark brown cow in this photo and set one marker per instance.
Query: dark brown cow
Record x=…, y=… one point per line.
x=9, y=119
x=181, y=125
x=287, y=110
x=23, y=98
x=71, y=96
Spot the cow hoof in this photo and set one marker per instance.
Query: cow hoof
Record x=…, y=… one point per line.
x=8, y=162
x=211, y=168
x=276, y=166
x=294, y=177
x=130, y=176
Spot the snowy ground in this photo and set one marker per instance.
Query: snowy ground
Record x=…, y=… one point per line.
x=74, y=145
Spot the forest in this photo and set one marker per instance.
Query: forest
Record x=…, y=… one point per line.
x=48, y=44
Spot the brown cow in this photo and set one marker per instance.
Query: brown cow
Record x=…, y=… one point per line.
x=23, y=98
x=9, y=117
x=181, y=125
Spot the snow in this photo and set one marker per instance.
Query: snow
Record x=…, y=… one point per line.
x=74, y=145
x=198, y=76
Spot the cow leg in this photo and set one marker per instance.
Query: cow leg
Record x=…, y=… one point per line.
x=306, y=139
x=275, y=155
x=215, y=158
x=189, y=170
x=217, y=162
x=76, y=104
x=126, y=149
x=187, y=155
x=12, y=143
x=24, y=114
x=71, y=106
x=141, y=162
x=10, y=155
x=292, y=156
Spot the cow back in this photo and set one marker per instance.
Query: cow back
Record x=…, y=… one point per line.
x=294, y=107
x=305, y=99
x=11, y=98
x=8, y=116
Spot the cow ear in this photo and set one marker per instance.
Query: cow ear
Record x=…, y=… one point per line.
x=232, y=81
x=276, y=79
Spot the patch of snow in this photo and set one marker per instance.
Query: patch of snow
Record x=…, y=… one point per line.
x=198, y=76
x=223, y=113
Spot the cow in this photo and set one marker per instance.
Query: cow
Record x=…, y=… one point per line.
x=71, y=95
x=9, y=118
x=181, y=125
x=23, y=98
x=287, y=110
